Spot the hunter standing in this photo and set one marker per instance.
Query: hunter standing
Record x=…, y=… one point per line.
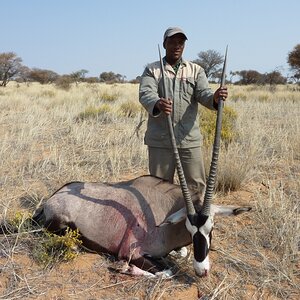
x=187, y=86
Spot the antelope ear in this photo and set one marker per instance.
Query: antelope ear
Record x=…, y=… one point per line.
x=220, y=210
x=240, y=210
x=174, y=218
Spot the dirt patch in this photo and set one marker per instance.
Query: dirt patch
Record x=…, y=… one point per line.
x=89, y=276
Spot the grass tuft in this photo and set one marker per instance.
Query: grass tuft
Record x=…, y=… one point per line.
x=95, y=112
x=130, y=109
x=109, y=96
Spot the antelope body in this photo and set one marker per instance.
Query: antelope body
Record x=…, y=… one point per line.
x=123, y=218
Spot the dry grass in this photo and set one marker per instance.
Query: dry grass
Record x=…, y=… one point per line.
x=51, y=136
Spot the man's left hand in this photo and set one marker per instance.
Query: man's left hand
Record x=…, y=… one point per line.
x=221, y=93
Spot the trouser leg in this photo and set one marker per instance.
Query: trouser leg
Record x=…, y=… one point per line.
x=194, y=169
x=162, y=164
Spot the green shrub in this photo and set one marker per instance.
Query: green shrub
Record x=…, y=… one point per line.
x=20, y=222
x=130, y=109
x=92, y=112
x=110, y=97
x=54, y=248
x=207, y=122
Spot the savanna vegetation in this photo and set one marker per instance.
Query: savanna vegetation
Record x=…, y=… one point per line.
x=94, y=132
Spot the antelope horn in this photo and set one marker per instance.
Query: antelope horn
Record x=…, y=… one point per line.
x=185, y=191
x=216, y=147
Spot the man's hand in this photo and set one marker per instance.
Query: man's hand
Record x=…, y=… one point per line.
x=220, y=93
x=164, y=105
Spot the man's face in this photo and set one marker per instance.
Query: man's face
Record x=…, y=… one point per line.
x=174, y=46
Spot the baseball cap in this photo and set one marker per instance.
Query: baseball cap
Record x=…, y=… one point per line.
x=172, y=31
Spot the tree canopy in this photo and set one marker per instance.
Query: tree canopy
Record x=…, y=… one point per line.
x=79, y=75
x=42, y=76
x=254, y=77
x=10, y=66
x=210, y=61
x=294, y=61
x=111, y=77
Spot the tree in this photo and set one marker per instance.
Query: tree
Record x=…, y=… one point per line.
x=91, y=79
x=111, y=77
x=79, y=75
x=249, y=77
x=210, y=61
x=232, y=74
x=254, y=77
x=274, y=77
x=42, y=76
x=64, y=82
x=23, y=75
x=10, y=66
x=294, y=61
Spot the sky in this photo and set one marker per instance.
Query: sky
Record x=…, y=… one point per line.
x=123, y=36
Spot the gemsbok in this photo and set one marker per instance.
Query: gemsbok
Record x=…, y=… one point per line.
x=138, y=220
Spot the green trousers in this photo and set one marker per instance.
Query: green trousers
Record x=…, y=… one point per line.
x=162, y=165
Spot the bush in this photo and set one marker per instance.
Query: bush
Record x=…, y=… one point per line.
x=54, y=248
x=130, y=109
x=207, y=121
x=94, y=112
x=110, y=97
x=42, y=76
x=64, y=82
x=20, y=222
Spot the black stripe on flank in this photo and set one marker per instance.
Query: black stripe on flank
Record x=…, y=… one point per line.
x=200, y=247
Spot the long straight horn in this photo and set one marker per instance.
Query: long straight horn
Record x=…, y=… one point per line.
x=185, y=191
x=216, y=147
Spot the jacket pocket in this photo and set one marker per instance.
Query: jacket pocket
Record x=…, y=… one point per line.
x=189, y=86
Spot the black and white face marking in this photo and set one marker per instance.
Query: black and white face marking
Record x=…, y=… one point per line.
x=200, y=228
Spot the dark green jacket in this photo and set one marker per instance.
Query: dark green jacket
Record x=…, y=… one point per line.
x=187, y=88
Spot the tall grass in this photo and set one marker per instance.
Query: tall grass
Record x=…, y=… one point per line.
x=94, y=132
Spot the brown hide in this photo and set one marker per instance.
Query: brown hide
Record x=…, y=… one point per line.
x=121, y=218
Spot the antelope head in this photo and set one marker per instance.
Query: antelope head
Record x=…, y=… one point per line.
x=200, y=223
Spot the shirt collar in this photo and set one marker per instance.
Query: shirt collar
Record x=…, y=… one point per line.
x=176, y=67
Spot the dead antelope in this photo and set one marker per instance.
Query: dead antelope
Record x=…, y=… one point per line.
x=123, y=218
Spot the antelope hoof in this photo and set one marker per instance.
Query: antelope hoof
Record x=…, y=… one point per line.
x=166, y=274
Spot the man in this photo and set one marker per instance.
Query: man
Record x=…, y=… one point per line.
x=186, y=85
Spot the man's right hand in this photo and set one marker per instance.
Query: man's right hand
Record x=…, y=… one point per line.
x=164, y=105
